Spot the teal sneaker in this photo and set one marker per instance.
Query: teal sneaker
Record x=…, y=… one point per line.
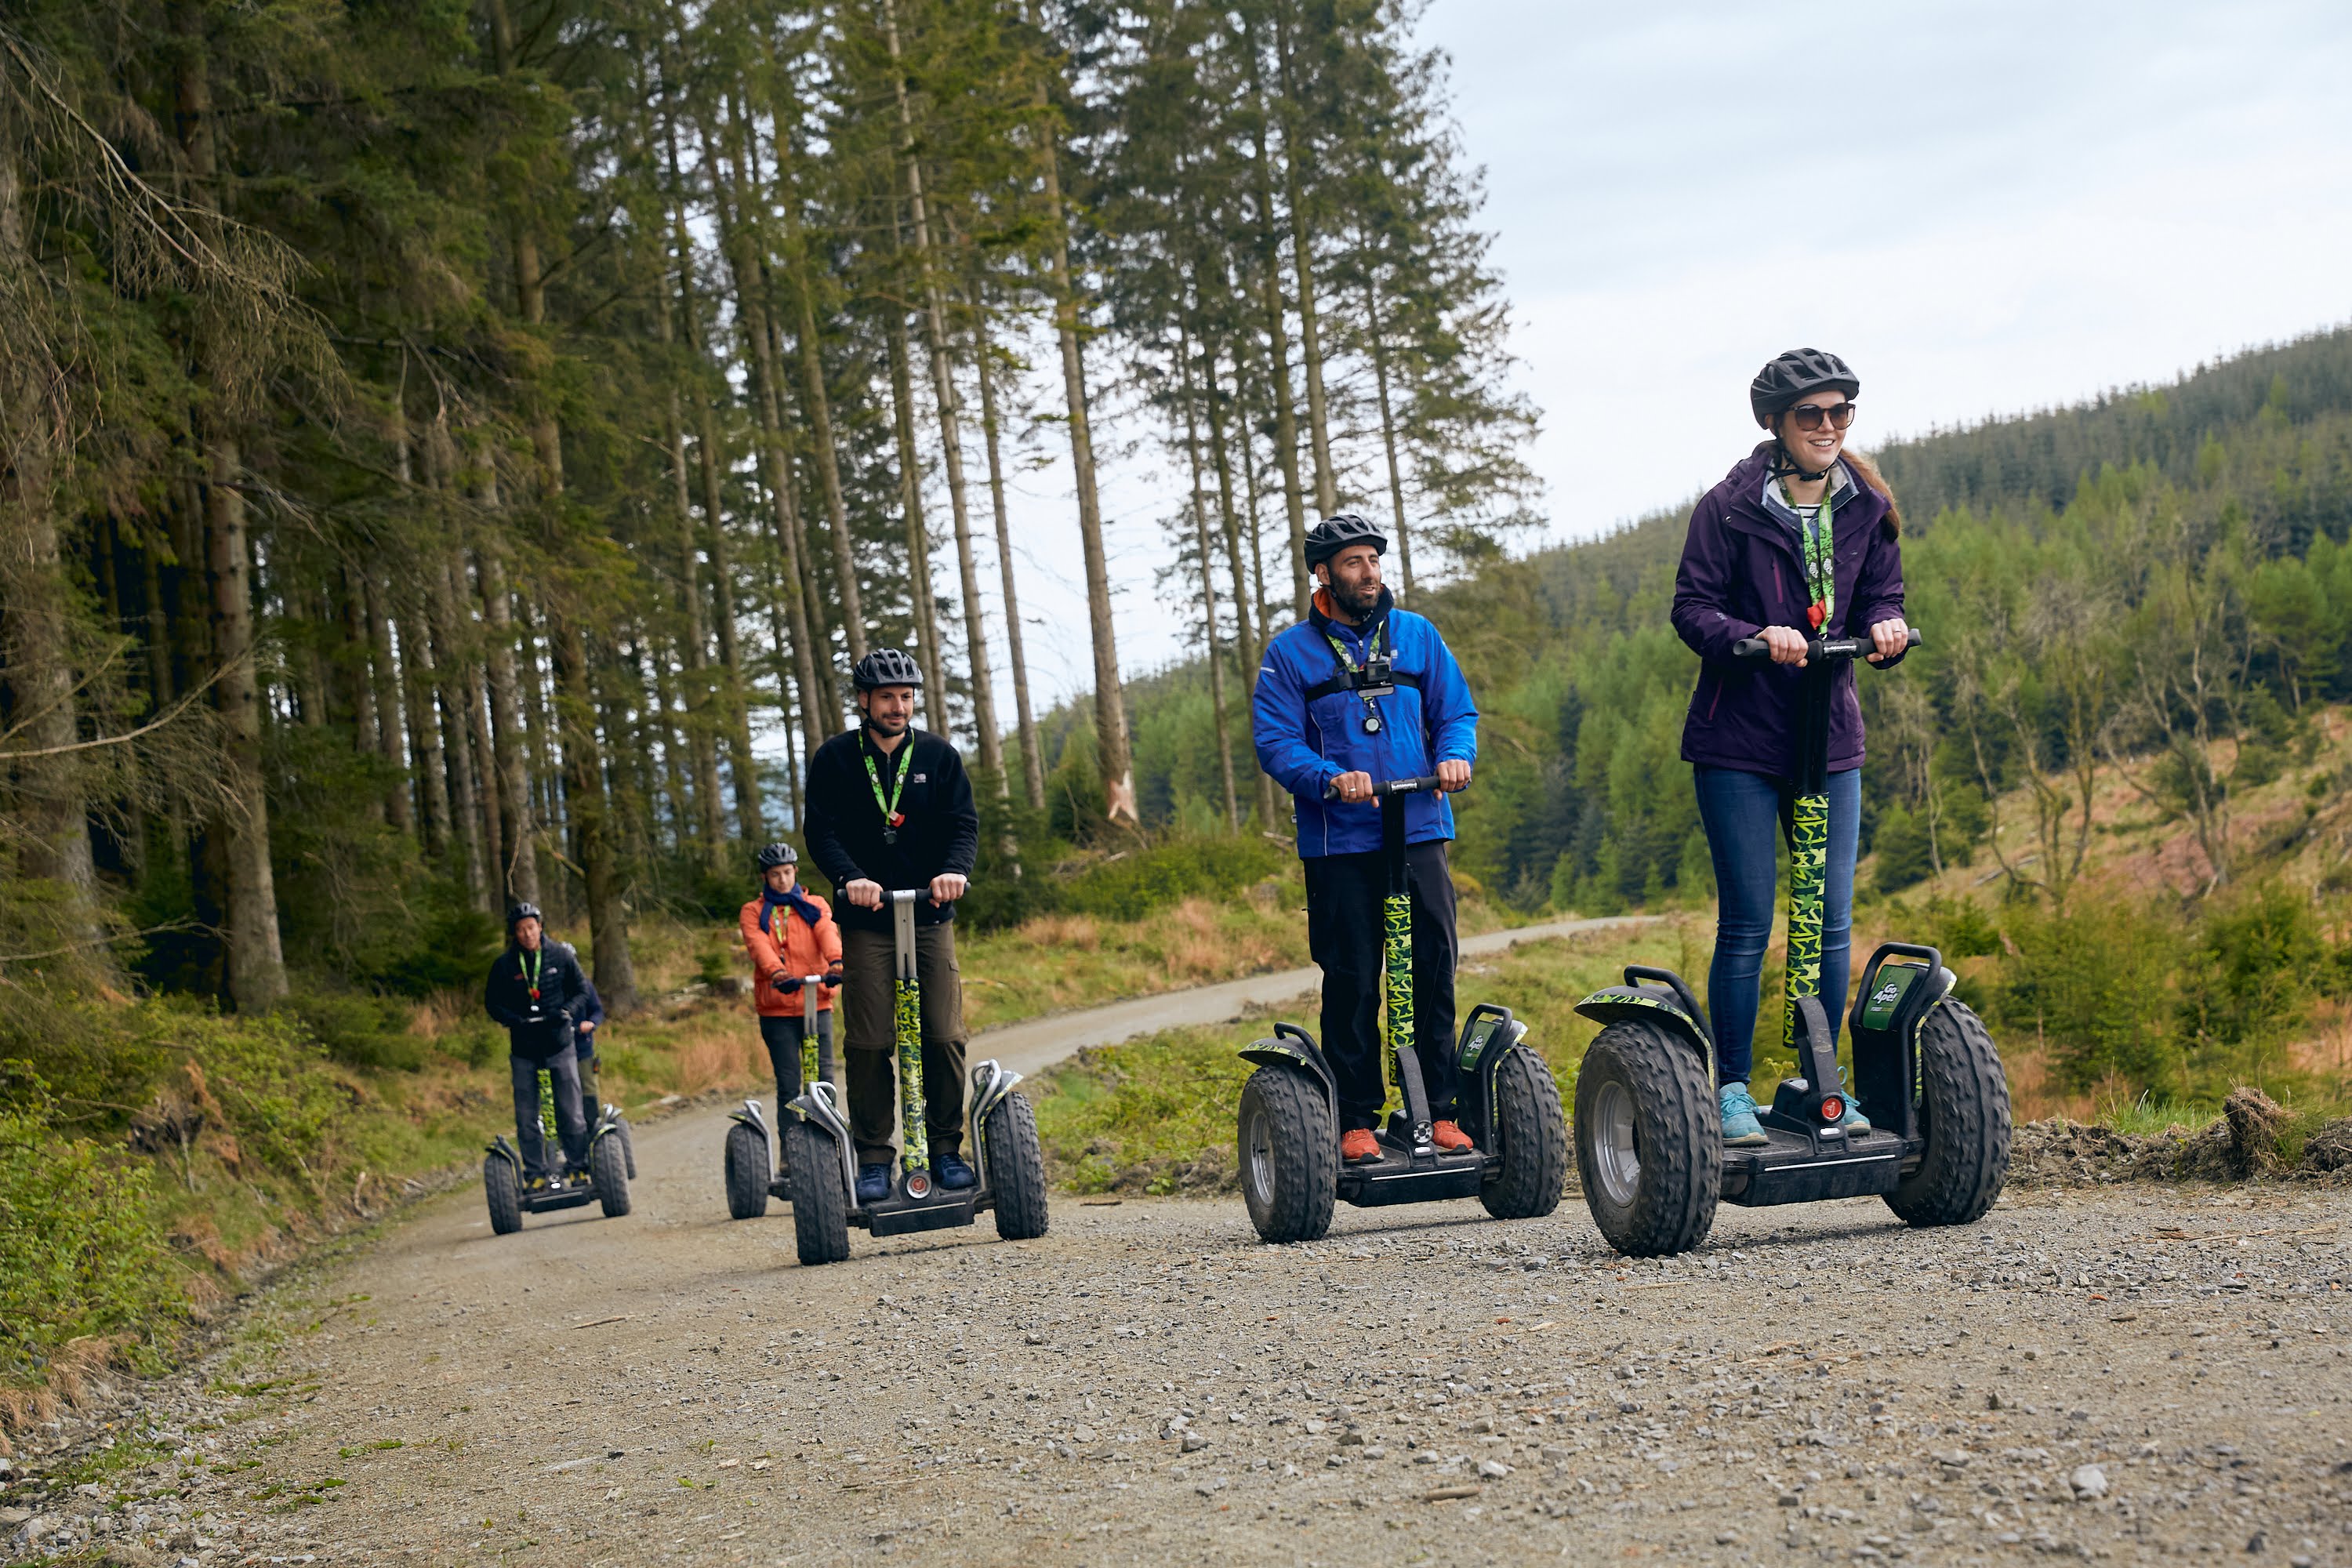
x=1854, y=1123
x=1740, y=1128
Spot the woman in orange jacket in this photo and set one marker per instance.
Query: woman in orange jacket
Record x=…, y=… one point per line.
x=791, y=936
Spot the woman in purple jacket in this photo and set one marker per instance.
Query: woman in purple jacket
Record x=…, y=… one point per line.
x=1799, y=541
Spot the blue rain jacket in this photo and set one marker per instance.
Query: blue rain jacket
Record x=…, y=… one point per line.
x=1303, y=744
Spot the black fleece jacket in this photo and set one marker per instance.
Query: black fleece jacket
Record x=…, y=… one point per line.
x=562, y=999
x=844, y=825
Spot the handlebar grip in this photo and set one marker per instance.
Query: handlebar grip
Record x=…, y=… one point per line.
x=1388, y=787
x=1757, y=647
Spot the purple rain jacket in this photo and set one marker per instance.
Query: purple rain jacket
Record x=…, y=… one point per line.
x=1740, y=573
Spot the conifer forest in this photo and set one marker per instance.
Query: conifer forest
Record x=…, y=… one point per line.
x=455, y=451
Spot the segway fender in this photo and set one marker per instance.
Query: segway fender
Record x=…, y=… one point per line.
x=1292, y=1047
x=506, y=1151
x=749, y=1115
x=991, y=1082
x=1639, y=1003
x=816, y=1104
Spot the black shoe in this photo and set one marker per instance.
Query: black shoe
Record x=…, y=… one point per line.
x=955, y=1176
x=872, y=1184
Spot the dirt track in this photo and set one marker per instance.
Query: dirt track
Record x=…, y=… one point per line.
x=1148, y=1383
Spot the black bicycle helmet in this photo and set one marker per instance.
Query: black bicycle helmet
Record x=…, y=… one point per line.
x=774, y=855
x=1338, y=531
x=884, y=666
x=1794, y=374
x=521, y=912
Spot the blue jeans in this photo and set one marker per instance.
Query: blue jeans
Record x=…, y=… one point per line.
x=1747, y=816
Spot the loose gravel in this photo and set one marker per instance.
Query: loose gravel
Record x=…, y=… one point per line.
x=2128, y=1374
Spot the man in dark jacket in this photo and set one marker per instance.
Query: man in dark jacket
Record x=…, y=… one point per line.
x=890, y=807
x=537, y=990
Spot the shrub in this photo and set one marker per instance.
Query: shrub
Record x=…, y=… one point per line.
x=81, y=1251
x=1133, y=886
x=358, y=1031
x=2257, y=961
x=2097, y=980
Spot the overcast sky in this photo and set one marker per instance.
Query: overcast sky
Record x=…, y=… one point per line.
x=1985, y=206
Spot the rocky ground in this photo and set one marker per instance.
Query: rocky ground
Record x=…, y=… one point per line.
x=2127, y=1372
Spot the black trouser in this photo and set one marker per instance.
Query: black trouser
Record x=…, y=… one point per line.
x=869, y=1000
x=583, y=1050
x=783, y=1038
x=1344, y=934
x=563, y=1069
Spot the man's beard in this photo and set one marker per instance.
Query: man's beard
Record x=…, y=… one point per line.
x=882, y=725
x=1361, y=601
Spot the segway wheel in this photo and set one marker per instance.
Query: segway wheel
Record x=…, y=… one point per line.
x=628, y=1145
x=1016, y=1168
x=1289, y=1156
x=1533, y=1131
x=608, y=1173
x=1649, y=1143
x=504, y=1192
x=747, y=1172
x=1964, y=1115
x=820, y=1206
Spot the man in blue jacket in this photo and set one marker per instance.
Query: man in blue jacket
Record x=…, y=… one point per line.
x=1326, y=717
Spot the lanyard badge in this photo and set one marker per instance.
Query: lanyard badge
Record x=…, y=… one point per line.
x=893, y=818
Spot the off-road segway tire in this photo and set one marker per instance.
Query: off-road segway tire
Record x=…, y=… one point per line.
x=1649, y=1141
x=1016, y=1168
x=1533, y=1132
x=504, y=1192
x=608, y=1173
x=1289, y=1156
x=1964, y=1115
x=820, y=1205
x=747, y=1172
x=628, y=1145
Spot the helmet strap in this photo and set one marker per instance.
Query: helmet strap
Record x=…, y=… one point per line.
x=1786, y=466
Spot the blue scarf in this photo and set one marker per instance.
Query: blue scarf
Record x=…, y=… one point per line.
x=770, y=899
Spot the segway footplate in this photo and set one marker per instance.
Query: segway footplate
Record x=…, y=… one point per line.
x=899, y=1217
x=1794, y=1170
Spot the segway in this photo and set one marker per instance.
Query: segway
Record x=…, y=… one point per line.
x=1289, y=1122
x=748, y=1183
x=606, y=1181
x=820, y=1157
x=1649, y=1132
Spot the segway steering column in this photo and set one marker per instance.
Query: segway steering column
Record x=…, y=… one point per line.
x=1396, y=960
x=915, y=1180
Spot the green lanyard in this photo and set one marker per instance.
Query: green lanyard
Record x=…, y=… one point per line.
x=891, y=816
x=1372, y=652
x=1372, y=649
x=1819, y=545
x=532, y=978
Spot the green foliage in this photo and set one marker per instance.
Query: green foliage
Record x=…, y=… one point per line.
x=2092, y=982
x=2258, y=961
x=358, y=1030
x=80, y=1250
x=1133, y=885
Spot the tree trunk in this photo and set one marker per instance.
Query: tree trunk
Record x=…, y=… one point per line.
x=255, y=964
x=391, y=720
x=1326, y=483
x=943, y=396
x=1110, y=707
x=709, y=818
x=1388, y=436
x=1033, y=755
x=455, y=675
x=1208, y=589
x=776, y=462
x=1253, y=639
x=424, y=732
x=516, y=830
x=919, y=539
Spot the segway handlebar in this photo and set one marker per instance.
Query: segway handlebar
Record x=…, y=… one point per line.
x=1388, y=787
x=1817, y=649
x=909, y=895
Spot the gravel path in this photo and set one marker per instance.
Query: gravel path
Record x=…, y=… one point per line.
x=2127, y=1373
x=1033, y=1045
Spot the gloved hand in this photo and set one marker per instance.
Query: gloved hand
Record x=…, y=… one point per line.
x=787, y=984
x=833, y=976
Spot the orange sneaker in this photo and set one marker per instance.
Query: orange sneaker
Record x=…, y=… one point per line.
x=1357, y=1146
x=1450, y=1139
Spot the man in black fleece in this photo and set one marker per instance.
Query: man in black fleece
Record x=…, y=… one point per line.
x=537, y=991
x=890, y=807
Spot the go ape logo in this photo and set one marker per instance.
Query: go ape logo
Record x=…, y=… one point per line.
x=1396, y=914
x=1808, y=868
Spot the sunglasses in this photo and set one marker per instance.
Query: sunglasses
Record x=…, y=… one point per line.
x=1809, y=416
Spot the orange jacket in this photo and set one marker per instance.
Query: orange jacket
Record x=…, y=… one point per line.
x=806, y=950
